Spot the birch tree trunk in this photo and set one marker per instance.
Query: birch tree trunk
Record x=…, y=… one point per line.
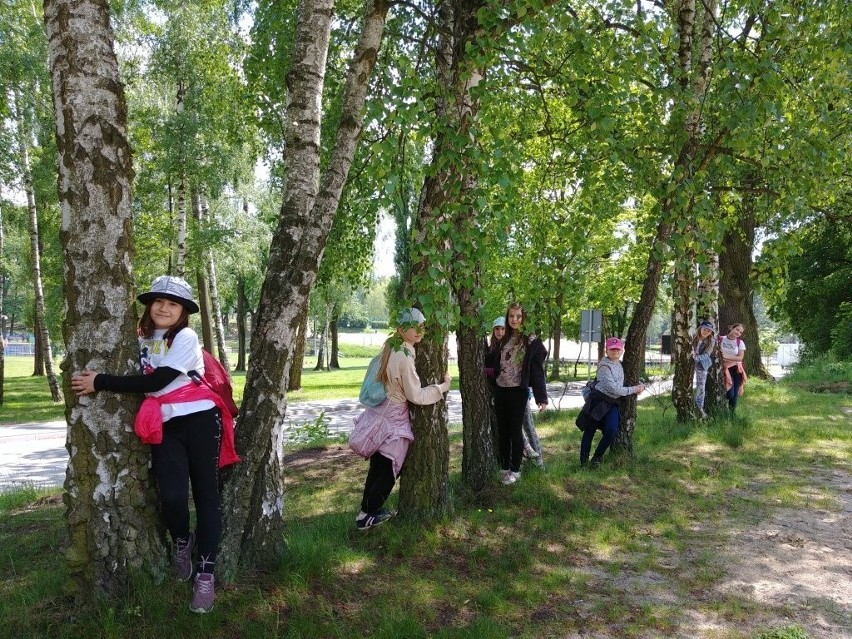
x=202, y=284
x=215, y=303
x=321, y=346
x=43, y=341
x=180, y=214
x=253, y=500
x=681, y=189
x=109, y=498
x=708, y=308
x=684, y=365
x=241, y=323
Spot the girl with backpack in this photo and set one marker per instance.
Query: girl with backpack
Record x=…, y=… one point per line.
x=702, y=349
x=608, y=390
x=383, y=433
x=187, y=425
x=732, y=349
x=518, y=365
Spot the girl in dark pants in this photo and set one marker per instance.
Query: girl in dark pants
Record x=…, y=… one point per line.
x=732, y=349
x=609, y=380
x=518, y=364
x=184, y=423
x=383, y=433
x=190, y=448
x=609, y=427
x=378, y=485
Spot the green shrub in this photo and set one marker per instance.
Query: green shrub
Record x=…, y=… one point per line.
x=358, y=350
x=821, y=374
x=841, y=333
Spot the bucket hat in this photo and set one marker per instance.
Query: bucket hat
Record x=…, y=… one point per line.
x=171, y=288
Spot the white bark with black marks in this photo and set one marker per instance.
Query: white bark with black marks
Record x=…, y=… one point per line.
x=253, y=500
x=110, y=513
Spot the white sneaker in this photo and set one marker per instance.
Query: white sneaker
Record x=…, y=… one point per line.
x=530, y=452
x=504, y=474
x=511, y=478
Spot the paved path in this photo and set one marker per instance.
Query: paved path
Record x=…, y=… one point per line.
x=35, y=455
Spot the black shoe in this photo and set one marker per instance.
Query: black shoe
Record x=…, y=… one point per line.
x=595, y=463
x=367, y=522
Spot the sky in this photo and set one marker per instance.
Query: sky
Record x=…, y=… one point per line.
x=383, y=248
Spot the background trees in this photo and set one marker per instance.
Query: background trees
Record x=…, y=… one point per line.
x=593, y=155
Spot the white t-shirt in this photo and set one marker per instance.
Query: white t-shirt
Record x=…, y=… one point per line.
x=184, y=355
x=731, y=347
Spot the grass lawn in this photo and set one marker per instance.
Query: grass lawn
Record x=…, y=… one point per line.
x=681, y=541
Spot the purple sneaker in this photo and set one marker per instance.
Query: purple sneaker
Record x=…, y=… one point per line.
x=182, y=557
x=204, y=593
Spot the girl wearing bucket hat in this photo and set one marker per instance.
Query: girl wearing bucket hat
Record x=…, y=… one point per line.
x=518, y=365
x=609, y=388
x=383, y=433
x=702, y=350
x=185, y=425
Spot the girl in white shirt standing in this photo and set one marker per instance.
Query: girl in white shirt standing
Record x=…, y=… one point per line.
x=733, y=349
x=183, y=422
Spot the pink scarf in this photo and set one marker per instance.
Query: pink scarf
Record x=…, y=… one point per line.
x=727, y=366
x=149, y=420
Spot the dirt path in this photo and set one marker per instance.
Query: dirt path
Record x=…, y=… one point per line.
x=801, y=560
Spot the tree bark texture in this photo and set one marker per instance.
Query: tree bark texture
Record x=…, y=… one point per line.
x=218, y=324
x=424, y=487
x=2, y=320
x=38, y=351
x=681, y=188
x=109, y=497
x=253, y=500
x=736, y=294
x=321, y=346
x=479, y=461
x=203, y=296
x=708, y=308
x=683, y=320
x=334, y=346
x=299, y=353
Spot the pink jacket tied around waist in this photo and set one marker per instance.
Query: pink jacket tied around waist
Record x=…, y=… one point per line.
x=149, y=420
x=386, y=429
x=726, y=372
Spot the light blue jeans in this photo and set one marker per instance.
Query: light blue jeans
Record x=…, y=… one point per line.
x=700, y=384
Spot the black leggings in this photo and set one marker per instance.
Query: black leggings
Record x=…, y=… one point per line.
x=379, y=484
x=510, y=405
x=190, y=454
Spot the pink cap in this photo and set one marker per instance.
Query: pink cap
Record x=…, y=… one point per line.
x=614, y=342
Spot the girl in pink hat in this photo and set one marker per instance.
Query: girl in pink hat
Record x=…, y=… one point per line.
x=603, y=404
